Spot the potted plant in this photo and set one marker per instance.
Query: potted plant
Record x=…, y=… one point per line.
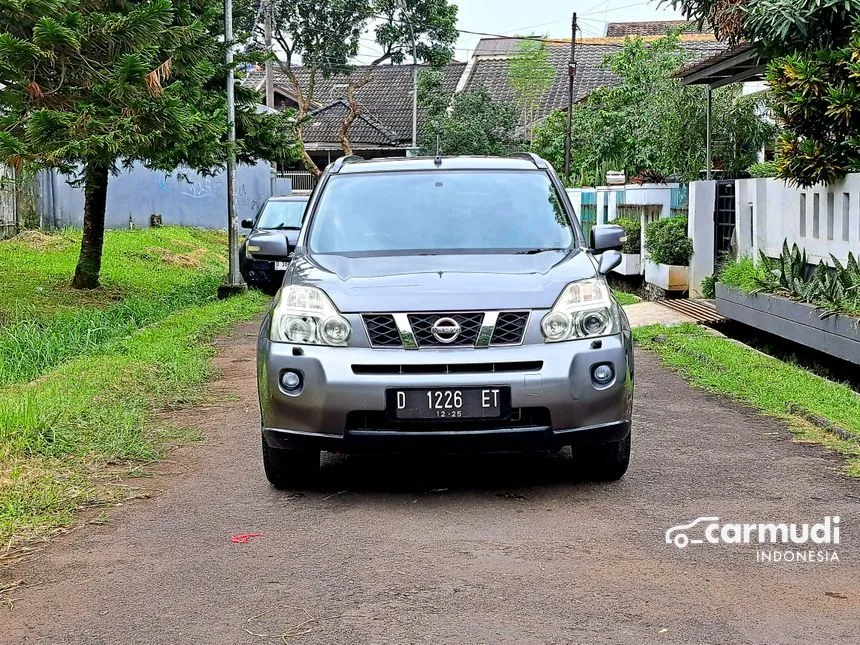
x=818, y=307
x=668, y=251
x=631, y=252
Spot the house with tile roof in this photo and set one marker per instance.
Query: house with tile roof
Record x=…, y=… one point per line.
x=653, y=28
x=384, y=126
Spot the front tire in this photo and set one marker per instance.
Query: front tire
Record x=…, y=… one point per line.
x=290, y=469
x=602, y=462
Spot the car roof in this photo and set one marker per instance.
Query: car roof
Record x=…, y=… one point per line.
x=289, y=198
x=402, y=164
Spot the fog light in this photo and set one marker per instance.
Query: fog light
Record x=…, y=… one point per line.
x=291, y=381
x=603, y=374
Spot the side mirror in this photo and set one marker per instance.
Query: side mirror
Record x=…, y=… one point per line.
x=247, y=223
x=608, y=261
x=269, y=245
x=607, y=237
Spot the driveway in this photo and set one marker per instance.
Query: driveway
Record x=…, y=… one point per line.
x=499, y=549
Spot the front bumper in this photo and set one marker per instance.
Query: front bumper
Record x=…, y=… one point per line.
x=260, y=272
x=341, y=406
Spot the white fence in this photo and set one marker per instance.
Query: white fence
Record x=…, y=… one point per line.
x=824, y=220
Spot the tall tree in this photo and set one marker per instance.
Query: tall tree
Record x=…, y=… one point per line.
x=430, y=24
x=321, y=36
x=92, y=85
x=324, y=36
x=814, y=49
x=531, y=76
x=649, y=121
x=775, y=27
x=469, y=123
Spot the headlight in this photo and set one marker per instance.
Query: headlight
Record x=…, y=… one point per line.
x=585, y=309
x=305, y=315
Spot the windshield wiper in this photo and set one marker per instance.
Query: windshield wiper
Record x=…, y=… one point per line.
x=536, y=251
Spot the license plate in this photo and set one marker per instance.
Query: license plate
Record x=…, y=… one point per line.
x=281, y=266
x=450, y=404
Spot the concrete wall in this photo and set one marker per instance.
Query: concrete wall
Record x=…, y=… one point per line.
x=700, y=228
x=822, y=219
x=607, y=198
x=136, y=194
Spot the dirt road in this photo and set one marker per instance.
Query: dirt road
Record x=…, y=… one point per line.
x=495, y=550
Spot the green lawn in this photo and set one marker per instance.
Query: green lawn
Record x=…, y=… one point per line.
x=774, y=387
x=625, y=299
x=146, y=275
x=82, y=373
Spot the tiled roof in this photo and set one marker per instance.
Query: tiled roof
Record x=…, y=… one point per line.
x=492, y=71
x=386, y=100
x=650, y=28
x=365, y=129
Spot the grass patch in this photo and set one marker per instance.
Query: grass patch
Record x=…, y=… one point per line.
x=61, y=434
x=82, y=372
x=742, y=274
x=774, y=387
x=146, y=275
x=625, y=299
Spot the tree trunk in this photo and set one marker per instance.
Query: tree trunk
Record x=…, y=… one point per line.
x=307, y=162
x=95, y=204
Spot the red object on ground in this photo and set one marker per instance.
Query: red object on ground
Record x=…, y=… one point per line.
x=245, y=538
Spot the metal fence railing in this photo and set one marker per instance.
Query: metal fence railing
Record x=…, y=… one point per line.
x=300, y=180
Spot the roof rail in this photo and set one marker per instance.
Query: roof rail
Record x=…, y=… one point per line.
x=340, y=162
x=530, y=156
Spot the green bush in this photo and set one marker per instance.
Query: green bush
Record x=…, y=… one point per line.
x=763, y=169
x=666, y=241
x=742, y=273
x=709, y=289
x=833, y=290
x=633, y=228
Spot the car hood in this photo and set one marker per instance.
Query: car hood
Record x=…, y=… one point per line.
x=442, y=282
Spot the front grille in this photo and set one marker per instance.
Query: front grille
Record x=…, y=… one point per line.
x=520, y=418
x=470, y=327
x=453, y=368
x=382, y=330
x=510, y=328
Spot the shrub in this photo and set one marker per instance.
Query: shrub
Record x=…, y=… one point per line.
x=763, y=169
x=832, y=290
x=633, y=228
x=709, y=289
x=742, y=273
x=666, y=241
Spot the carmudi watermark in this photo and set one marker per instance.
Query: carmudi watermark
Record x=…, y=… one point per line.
x=775, y=541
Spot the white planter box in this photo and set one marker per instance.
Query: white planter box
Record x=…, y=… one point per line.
x=631, y=264
x=671, y=277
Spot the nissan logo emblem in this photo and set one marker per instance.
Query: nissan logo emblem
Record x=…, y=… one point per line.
x=446, y=330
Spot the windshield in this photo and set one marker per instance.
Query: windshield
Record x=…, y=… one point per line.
x=282, y=214
x=435, y=212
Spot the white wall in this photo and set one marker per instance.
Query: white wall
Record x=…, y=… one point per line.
x=822, y=219
x=700, y=228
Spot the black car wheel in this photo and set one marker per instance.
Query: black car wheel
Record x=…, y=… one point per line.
x=602, y=462
x=290, y=469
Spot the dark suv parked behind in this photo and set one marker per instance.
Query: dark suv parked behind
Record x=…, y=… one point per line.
x=444, y=304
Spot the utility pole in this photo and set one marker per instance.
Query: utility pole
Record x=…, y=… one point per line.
x=408, y=20
x=571, y=72
x=234, y=283
x=270, y=80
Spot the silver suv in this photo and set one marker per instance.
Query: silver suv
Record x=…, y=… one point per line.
x=446, y=304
